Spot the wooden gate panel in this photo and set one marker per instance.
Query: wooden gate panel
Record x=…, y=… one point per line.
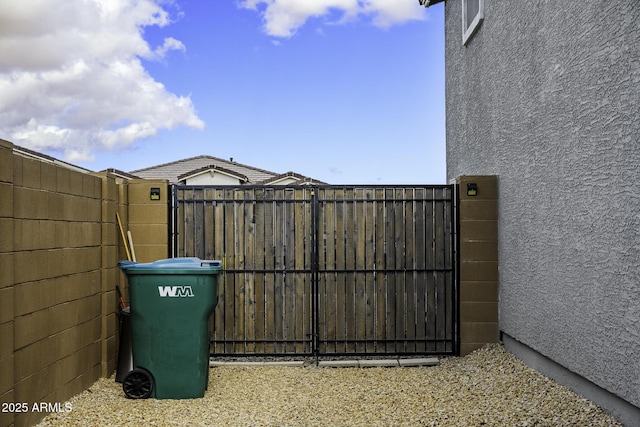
x=328, y=269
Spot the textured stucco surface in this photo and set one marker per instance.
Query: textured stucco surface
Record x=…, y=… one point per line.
x=547, y=97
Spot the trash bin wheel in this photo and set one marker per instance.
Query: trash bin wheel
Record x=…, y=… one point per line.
x=137, y=384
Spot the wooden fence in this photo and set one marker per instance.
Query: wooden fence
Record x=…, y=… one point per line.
x=327, y=269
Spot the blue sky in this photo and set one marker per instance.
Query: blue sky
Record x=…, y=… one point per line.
x=344, y=91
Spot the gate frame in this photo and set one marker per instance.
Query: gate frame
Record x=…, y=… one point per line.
x=315, y=270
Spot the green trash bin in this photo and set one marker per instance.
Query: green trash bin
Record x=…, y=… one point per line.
x=171, y=302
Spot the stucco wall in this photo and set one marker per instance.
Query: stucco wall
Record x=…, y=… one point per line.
x=547, y=97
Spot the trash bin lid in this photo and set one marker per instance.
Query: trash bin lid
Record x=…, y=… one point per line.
x=186, y=265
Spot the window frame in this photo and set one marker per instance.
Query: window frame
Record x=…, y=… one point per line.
x=469, y=31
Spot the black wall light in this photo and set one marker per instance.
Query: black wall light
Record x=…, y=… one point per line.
x=154, y=194
x=472, y=189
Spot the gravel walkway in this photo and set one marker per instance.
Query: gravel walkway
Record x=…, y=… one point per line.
x=486, y=388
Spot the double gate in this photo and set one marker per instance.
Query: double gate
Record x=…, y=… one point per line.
x=325, y=270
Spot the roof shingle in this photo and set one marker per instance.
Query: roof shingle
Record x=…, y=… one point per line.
x=173, y=170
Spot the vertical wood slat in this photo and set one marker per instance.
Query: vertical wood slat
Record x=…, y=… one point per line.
x=369, y=265
x=350, y=286
x=277, y=278
x=400, y=262
x=278, y=258
x=179, y=221
x=340, y=279
x=449, y=264
x=290, y=312
x=410, y=284
x=390, y=264
x=198, y=223
x=229, y=261
x=209, y=226
x=269, y=265
x=440, y=296
x=189, y=219
x=249, y=263
x=386, y=261
x=431, y=317
x=238, y=248
x=259, y=263
x=380, y=278
x=360, y=294
x=327, y=292
x=420, y=276
x=302, y=261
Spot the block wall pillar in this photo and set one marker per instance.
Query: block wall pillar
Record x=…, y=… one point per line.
x=478, y=262
x=148, y=218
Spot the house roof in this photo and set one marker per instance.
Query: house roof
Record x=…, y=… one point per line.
x=427, y=3
x=200, y=171
x=173, y=171
x=177, y=171
x=300, y=179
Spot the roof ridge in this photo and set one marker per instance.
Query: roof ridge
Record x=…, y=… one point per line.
x=292, y=174
x=168, y=163
x=211, y=167
x=205, y=156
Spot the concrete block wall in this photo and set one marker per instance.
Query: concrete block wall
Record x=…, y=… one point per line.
x=148, y=219
x=51, y=230
x=59, y=248
x=109, y=277
x=6, y=281
x=478, y=263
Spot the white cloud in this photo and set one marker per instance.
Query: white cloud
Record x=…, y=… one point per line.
x=71, y=78
x=169, y=44
x=282, y=18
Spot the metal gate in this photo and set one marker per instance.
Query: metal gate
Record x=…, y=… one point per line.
x=326, y=270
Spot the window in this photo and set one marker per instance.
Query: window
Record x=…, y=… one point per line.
x=472, y=16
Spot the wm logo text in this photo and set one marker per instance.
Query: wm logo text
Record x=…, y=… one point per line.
x=175, y=291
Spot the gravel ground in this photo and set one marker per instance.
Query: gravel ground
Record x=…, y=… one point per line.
x=486, y=388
